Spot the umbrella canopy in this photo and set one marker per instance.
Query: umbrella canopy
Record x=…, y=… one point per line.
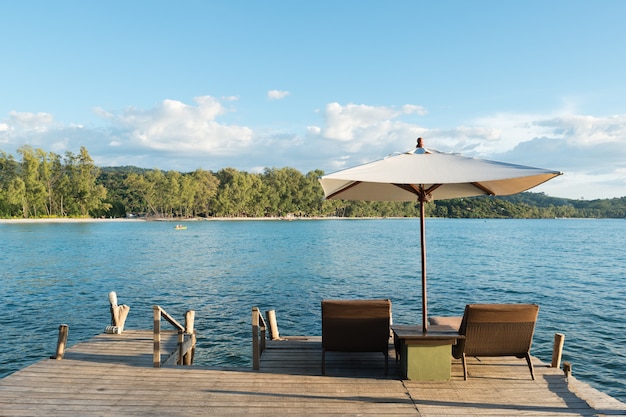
x=426, y=175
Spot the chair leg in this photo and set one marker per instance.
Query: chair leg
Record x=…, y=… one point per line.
x=464, y=367
x=386, y=353
x=323, y=362
x=530, y=366
x=397, y=347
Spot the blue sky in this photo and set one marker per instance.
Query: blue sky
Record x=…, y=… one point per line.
x=320, y=85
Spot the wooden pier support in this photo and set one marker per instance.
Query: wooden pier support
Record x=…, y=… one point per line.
x=272, y=324
x=190, y=316
x=557, y=351
x=118, y=315
x=62, y=341
x=156, y=337
x=567, y=369
x=258, y=337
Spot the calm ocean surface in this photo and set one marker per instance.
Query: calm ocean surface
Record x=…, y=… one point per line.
x=61, y=273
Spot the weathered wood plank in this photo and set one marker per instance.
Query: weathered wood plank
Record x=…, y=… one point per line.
x=112, y=375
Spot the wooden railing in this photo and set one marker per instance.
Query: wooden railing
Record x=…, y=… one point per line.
x=184, y=352
x=258, y=337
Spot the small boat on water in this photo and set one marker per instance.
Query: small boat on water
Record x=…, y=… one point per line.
x=180, y=227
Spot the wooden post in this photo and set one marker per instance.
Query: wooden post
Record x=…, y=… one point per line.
x=62, y=341
x=189, y=323
x=273, y=325
x=118, y=314
x=256, y=353
x=181, y=342
x=156, y=337
x=567, y=369
x=557, y=351
x=113, y=302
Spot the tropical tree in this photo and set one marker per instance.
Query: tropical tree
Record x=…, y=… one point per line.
x=239, y=194
x=311, y=194
x=34, y=196
x=86, y=194
x=141, y=192
x=206, y=189
x=16, y=197
x=8, y=176
x=284, y=194
x=51, y=173
x=44, y=184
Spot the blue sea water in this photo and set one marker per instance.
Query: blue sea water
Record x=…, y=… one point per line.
x=61, y=273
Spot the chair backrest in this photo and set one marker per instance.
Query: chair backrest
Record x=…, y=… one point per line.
x=497, y=329
x=355, y=325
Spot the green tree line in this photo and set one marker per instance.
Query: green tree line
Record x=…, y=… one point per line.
x=43, y=184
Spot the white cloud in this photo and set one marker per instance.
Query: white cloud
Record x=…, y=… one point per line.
x=581, y=185
x=497, y=133
x=277, y=94
x=35, y=129
x=590, y=150
x=413, y=109
x=360, y=126
x=173, y=126
x=502, y=133
x=586, y=130
x=314, y=130
x=22, y=122
x=176, y=135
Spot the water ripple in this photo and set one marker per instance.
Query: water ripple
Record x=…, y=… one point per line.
x=62, y=273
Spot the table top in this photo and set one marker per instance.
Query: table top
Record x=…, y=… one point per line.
x=416, y=332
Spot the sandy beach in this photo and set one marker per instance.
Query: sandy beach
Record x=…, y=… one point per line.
x=177, y=220
x=67, y=220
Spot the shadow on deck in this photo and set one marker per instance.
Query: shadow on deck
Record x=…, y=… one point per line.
x=112, y=375
x=302, y=355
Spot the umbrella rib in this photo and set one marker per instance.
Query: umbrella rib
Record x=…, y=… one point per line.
x=346, y=188
x=409, y=187
x=431, y=189
x=483, y=188
x=419, y=189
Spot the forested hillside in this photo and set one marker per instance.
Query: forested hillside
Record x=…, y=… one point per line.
x=43, y=184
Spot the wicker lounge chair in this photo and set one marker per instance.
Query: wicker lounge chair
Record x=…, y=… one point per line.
x=355, y=326
x=494, y=330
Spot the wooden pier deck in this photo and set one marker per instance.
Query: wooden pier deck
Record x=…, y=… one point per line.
x=112, y=375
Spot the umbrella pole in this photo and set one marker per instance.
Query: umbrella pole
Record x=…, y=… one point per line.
x=423, y=246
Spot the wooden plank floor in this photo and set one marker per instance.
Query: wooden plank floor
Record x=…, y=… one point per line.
x=112, y=375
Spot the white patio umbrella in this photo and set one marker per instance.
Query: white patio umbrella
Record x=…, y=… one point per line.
x=425, y=175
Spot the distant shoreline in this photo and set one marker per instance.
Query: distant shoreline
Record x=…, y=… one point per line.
x=67, y=220
x=144, y=219
x=243, y=219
